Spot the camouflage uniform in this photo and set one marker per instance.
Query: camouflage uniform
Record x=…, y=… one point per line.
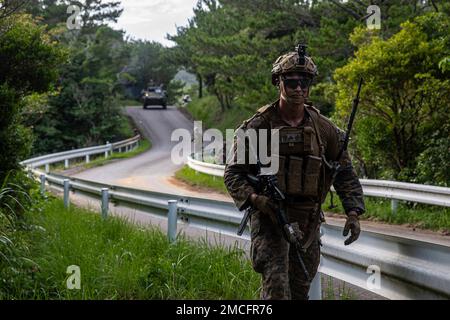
x=301, y=148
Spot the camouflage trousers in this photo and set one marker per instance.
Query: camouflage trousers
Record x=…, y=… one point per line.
x=272, y=256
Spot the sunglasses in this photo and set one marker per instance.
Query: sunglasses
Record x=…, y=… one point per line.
x=304, y=83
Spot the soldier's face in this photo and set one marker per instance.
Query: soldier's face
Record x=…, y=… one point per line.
x=294, y=88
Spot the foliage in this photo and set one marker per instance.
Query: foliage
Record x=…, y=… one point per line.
x=174, y=91
x=119, y=260
x=414, y=215
x=405, y=95
x=86, y=110
x=18, y=195
x=149, y=64
x=103, y=68
x=29, y=65
x=202, y=180
x=433, y=162
x=92, y=12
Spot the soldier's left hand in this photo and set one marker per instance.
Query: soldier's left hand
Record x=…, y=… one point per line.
x=352, y=225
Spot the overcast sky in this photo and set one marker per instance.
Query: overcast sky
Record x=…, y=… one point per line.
x=153, y=19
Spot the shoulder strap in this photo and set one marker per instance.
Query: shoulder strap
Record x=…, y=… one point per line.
x=264, y=108
x=260, y=113
x=315, y=116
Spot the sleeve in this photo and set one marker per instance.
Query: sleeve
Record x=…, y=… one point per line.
x=236, y=169
x=346, y=182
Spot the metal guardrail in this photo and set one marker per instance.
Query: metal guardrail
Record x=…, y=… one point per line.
x=65, y=156
x=394, y=190
x=204, y=167
x=409, y=268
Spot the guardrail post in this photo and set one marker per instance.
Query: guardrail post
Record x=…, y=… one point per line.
x=42, y=176
x=107, y=150
x=88, y=158
x=30, y=173
x=105, y=202
x=66, y=164
x=172, y=221
x=66, y=193
x=394, y=206
x=47, y=168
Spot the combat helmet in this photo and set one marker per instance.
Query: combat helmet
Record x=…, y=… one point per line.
x=295, y=61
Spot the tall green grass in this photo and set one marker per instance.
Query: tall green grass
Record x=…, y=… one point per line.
x=336, y=292
x=198, y=179
x=18, y=194
x=118, y=260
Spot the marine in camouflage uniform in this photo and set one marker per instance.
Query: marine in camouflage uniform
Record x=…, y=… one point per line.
x=305, y=149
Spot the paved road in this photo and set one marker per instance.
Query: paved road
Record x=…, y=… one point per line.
x=152, y=170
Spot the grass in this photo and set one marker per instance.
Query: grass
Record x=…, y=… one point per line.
x=207, y=109
x=419, y=216
x=416, y=215
x=336, y=293
x=100, y=160
x=199, y=179
x=144, y=145
x=119, y=260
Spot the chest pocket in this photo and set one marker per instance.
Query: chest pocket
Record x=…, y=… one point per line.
x=291, y=141
x=300, y=164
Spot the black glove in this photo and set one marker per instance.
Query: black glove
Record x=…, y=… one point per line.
x=352, y=224
x=266, y=206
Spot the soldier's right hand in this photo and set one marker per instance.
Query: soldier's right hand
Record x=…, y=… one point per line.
x=266, y=206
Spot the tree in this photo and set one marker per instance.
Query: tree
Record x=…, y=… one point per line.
x=405, y=97
x=92, y=12
x=86, y=110
x=29, y=64
x=150, y=62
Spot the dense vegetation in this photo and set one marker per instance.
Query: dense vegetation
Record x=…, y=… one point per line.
x=118, y=260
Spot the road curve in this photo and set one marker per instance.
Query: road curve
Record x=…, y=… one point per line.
x=154, y=169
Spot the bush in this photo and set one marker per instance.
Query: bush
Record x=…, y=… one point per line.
x=18, y=195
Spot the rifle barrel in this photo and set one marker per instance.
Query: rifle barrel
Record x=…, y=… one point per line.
x=350, y=120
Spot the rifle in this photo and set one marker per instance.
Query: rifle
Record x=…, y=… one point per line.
x=291, y=232
x=335, y=166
